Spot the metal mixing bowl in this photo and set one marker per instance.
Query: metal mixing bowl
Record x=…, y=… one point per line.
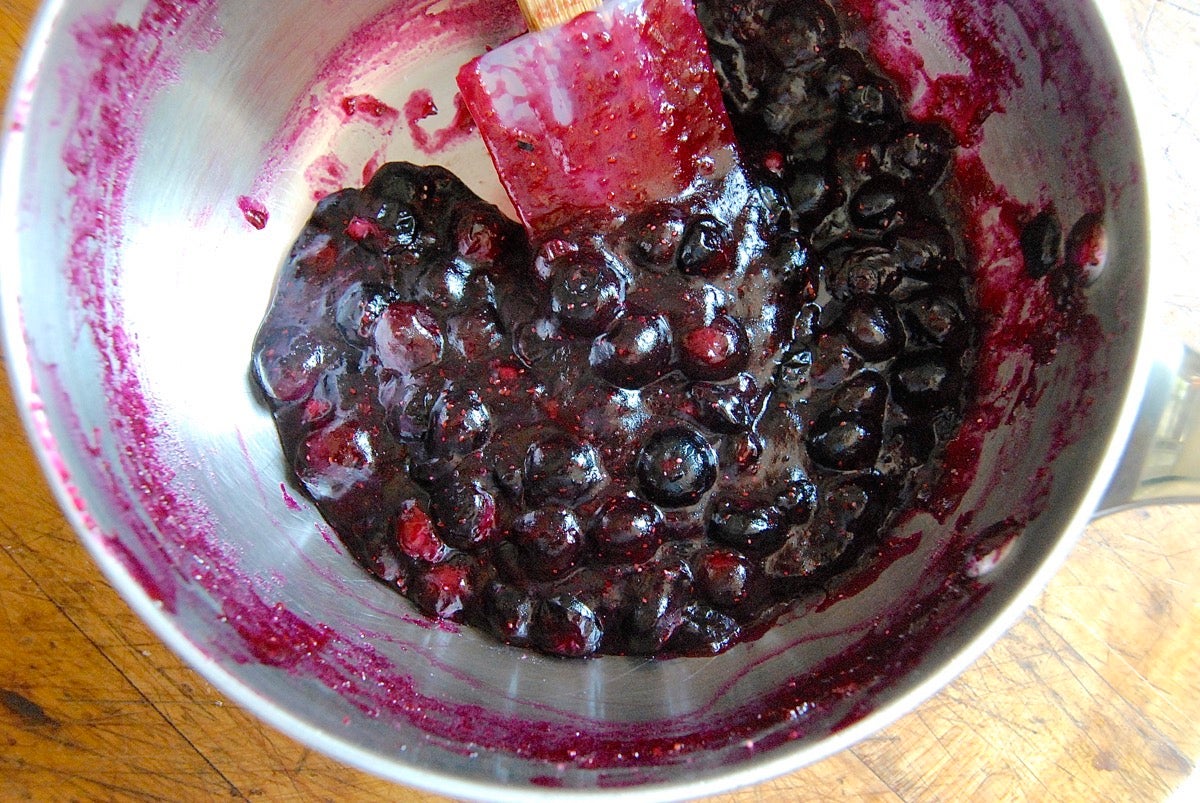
x=161, y=156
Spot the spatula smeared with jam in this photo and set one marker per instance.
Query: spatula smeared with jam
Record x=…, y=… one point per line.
x=603, y=113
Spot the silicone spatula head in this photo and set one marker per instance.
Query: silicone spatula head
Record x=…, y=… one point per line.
x=609, y=111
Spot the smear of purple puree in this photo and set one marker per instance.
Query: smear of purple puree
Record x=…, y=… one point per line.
x=132, y=67
x=123, y=67
x=253, y=210
x=166, y=540
x=420, y=106
x=397, y=35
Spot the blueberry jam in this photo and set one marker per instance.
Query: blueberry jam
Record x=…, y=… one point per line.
x=648, y=434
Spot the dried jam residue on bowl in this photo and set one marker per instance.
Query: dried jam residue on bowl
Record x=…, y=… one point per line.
x=650, y=434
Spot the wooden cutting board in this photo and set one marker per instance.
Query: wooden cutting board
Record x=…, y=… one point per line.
x=1093, y=695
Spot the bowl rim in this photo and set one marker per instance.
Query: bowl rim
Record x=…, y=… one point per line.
x=780, y=760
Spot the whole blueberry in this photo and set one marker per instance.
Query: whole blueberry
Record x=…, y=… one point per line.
x=715, y=351
x=586, y=294
x=567, y=626
x=747, y=524
x=706, y=248
x=676, y=467
x=548, y=540
x=561, y=469
x=626, y=530
x=844, y=441
x=635, y=352
x=459, y=423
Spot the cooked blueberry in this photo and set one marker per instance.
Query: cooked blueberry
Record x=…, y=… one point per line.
x=540, y=345
x=586, y=295
x=338, y=458
x=654, y=235
x=625, y=530
x=464, y=513
x=726, y=407
x=1041, y=243
x=865, y=270
x=676, y=467
x=809, y=551
x=335, y=210
x=845, y=69
x=445, y=590
x=746, y=23
x=635, y=352
x=433, y=192
x=772, y=195
x=870, y=107
x=548, y=540
x=935, y=317
x=415, y=534
x=740, y=451
x=796, y=109
x=510, y=613
x=747, y=524
x=716, y=351
x=873, y=328
x=407, y=337
x=923, y=249
x=322, y=402
x=855, y=504
x=289, y=364
x=844, y=441
x=802, y=33
x=797, y=497
x=409, y=407
x=813, y=192
x=395, y=223
x=723, y=576
x=833, y=360
x=445, y=285
x=705, y=248
x=475, y=334
x=798, y=271
x=562, y=470
x=459, y=423
x=401, y=182
x=508, y=471
x=866, y=392
x=483, y=236
x=704, y=631
x=360, y=307
x=794, y=372
x=919, y=153
x=878, y=204
x=568, y=627
x=924, y=381
x=657, y=595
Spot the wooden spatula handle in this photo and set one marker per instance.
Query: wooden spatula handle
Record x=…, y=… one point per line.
x=542, y=14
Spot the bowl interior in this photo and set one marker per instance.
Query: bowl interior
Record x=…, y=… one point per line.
x=161, y=157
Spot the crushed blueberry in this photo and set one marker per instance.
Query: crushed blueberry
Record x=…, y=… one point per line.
x=650, y=434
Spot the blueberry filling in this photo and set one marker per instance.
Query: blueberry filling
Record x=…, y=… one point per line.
x=647, y=435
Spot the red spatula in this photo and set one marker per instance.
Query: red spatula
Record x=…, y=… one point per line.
x=601, y=112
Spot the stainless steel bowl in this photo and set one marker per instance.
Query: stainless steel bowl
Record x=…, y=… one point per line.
x=159, y=158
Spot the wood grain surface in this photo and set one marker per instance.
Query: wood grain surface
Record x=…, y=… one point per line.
x=1093, y=695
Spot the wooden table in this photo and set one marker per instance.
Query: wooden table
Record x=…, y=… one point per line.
x=1094, y=695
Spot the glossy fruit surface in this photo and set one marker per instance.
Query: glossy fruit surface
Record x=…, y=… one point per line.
x=644, y=434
